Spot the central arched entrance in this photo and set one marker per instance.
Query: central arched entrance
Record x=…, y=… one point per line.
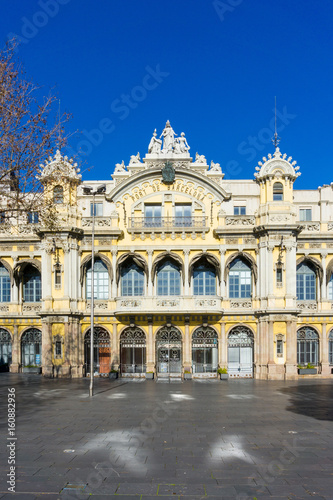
x=240, y=352
x=31, y=348
x=204, y=350
x=169, y=351
x=102, y=351
x=132, y=351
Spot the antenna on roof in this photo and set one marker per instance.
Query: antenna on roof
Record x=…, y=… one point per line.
x=59, y=127
x=276, y=138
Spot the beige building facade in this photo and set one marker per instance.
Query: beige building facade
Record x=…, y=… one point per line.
x=192, y=272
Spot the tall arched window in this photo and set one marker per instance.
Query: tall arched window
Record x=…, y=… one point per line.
x=204, y=280
x=168, y=279
x=101, y=281
x=305, y=282
x=32, y=285
x=132, y=279
x=330, y=288
x=307, y=346
x=31, y=347
x=277, y=191
x=5, y=349
x=4, y=284
x=58, y=195
x=239, y=280
x=330, y=348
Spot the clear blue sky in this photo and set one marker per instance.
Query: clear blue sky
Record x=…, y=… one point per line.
x=212, y=68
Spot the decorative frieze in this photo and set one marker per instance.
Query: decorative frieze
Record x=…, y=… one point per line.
x=130, y=303
x=240, y=220
x=306, y=305
x=205, y=302
x=241, y=304
x=167, y=303
x=311, y=226
x=4, y=308
x=99, y=305
x=31, y=307
x=99, y=221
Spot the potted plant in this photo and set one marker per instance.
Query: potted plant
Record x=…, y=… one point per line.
x=309, y=369
x=149, y=375
x=187, y=375
x=223, y=372
x=113, y=374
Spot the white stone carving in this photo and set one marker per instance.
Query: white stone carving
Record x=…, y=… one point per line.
x=31, y=307
x=215, y=167
x=241, y=304
x=168, y=135
x=205, y=303
x=168, y=303
x=200, y=159
x=276, y=164
x=99, y=221
x=155, y=144
x=130, y=303
x=98, y=305
x=58, y=168
x=240, y=221
x=135, y=159
x=120, y=167
x=4, y=308
x=307, y=305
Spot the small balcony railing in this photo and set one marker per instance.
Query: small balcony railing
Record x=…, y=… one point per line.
x=195, y=222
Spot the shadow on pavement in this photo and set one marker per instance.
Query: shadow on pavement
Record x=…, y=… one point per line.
x=313, y=400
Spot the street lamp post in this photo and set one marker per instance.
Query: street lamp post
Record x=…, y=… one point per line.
x=88, y=190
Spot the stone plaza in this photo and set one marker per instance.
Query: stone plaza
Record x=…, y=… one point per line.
x=235, y=439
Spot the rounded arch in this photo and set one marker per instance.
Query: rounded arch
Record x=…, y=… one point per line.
x=330, y=335
x=204, y=332
x=169, y=333
x=136, y=258
x=205, y=257
x=132, y=333
x=5, y=335
x=8, y=268
x=167, y=256
x=245, y=257
x=20, y=267
x=87, y=260
x=29, y=334
x=101, y=335
x=314, y=263
x=308, y=333
x=58, y=194
x=240, y=335
x=329, y=271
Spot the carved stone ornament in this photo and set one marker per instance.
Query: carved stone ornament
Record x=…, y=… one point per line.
x=168, y=173
x=130, y=303
x=240, y=221
x=307, y=305
x=59, y=168
x=277, y=164
x=241, y=304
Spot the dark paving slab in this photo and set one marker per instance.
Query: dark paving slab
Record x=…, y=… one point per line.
x=241, y=440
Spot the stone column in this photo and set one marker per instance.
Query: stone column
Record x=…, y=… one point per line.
x=223, y=348
x=187, y=363
x=290, y=276
x=222, y=286
x=16, y=352
x=77, y=348
x=323, y=286
x=186, y=276
x=270, y=277
x=262, y=291
x=46, y=275
x=47, y=367
x=273, y=370
x=150, y=347
x=291, y=354
x=149, y=277
x=324, y=361
x=261, y=366
x=115, y=355
x=114, y=293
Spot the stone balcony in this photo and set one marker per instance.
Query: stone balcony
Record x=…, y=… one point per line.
x=169, y=304
x=166, y=225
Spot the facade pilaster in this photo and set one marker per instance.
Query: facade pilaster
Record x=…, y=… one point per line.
x=47, y=348
x=115, y=358
x=149, y=277
x=16, y=352
x=150, y=347
x=223, y=348
x=222, y=285
x=291, y=354
x=114, y=293
x=187, y=346
x=290, y=276
x=323, y=285
x=324, y=361
x=186, y=271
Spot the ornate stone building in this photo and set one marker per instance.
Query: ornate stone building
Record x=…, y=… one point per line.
x=192, y=273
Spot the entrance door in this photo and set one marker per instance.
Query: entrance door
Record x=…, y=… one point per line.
x=169, y=352
x=240, y=353
x=104, y=359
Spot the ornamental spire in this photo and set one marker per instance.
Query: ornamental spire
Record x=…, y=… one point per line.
x=275, y=138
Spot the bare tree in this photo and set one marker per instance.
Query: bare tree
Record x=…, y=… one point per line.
x=29, y=132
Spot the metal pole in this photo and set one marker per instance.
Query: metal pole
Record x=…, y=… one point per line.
x=91, y=386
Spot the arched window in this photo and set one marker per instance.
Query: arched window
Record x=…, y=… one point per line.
x=4, y=284
x=204, y=350
x=305, y=282
x=58, y=195
x=277, y=191
x=5, y=349
x=239, y=280
x=101, y=281
x=32, y=285
x=102, y=351
x=204, y=280
x=31, y=347
x=168, y=279
x=133, y=350
x=330, y=348
x=132, y=279
x=330, y=288
x=307, y=346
